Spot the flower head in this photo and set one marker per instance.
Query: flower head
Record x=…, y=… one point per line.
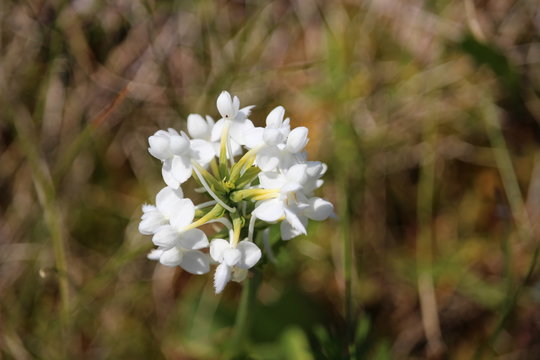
x=272, y=182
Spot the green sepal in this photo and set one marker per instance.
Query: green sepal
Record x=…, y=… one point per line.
x=246, y=179
x=214, y=183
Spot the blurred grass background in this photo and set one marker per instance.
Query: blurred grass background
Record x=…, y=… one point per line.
x=427, y=113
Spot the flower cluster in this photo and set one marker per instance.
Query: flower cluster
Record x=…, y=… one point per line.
x=272, y=182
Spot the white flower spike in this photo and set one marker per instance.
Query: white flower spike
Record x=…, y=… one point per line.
x=272, y=182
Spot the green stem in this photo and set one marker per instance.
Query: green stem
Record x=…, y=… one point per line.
x=521, y=219
x=424, y=246
x=242, y=322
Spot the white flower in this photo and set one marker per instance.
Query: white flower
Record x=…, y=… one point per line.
x=289, y=183
x=193, y=261
x=156, y=216
x=151, y=220
x=293, y=203
x=293, y=151
x=269, y=140
x=201, y=129
x=315, y=209
x=176, y=246
x=176, y=151
x=314, y=171
x=237, y=118
x=274, y=173
x=233, y=261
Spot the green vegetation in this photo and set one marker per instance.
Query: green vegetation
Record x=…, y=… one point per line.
x=427, y=115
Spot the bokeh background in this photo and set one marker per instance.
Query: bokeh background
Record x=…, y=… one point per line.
x=427, y=113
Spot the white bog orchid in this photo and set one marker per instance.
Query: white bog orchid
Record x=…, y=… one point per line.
x=201, y=129
x=234, y=261
x=234, y=119
x=167, y=200
x=272, y=182
x=176, y=151
x=269, y=141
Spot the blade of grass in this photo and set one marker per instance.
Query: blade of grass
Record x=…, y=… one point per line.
x=424, y=246
x=521, y=219
x=47, y=199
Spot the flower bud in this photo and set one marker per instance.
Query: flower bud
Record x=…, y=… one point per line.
x=297, y=139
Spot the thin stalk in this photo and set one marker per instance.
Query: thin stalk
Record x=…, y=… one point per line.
x=47, y=198
x=424, y=248
x=347, y=263
x=251, y=227
x=223, y=221
x=267, y=247
x=205, y=204
x=520, y=215
x=242, y=324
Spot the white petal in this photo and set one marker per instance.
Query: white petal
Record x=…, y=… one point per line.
x=168, y=200
x=171, y=257
x=181, y=168
x=168, y=177
x=239, y=129
x=236, y=104
x=269, y=210
x=290, y=187
x=294, y=220
x=166, y=236
x=251, y=254
x=245, y=112
x=154, y=254
x=271, y=180
x=151, y=220
x=221, y=277
x=297, y=139
x=193, y=239
x=195, y=262
x=217, y=130
x=198, y=127
x=268, y=158
x=231, y=256
x=202, y=151
x=217, y=247
x=275, y=117
x=319, y=209
x=273, y=136
x=226, y=107
x=297, y=173
x=254, y=138
x=179, y=144
x=235, y=147
x=159, y=145
x=287, y=231
x=315, y=168
x=148, y=208
x=183, y=214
